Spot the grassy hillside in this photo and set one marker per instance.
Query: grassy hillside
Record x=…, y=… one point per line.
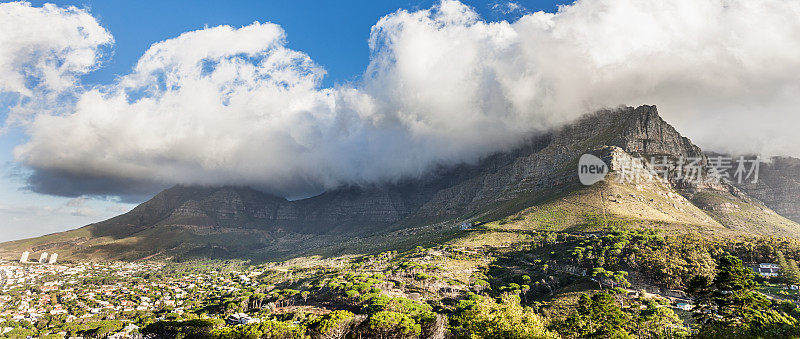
x=604, y=206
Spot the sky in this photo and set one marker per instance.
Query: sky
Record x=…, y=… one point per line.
x=105, y=103
x=334, y=33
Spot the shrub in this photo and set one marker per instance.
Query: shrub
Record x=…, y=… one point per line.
x=197, y=328
x=332, y=325
x=264, y=329
x=394, y=324
x=482, y=317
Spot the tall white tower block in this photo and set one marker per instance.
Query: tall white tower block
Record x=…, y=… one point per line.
x=53, y=258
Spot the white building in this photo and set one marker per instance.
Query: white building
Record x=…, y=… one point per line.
x=43, y=257
x=241, y=318
x=24, y=257
x=768, y=270
x=53, y=258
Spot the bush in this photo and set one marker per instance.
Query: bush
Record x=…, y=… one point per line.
x=264, y=329
x=482, y=317
x=197, y=328
x=394, y=324
x=20, y=332
x=332, y=325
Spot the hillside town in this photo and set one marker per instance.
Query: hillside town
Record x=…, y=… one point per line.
x=45, y=298
x=44, y=292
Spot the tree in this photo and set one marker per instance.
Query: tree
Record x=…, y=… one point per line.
x=620, y=278
x=332, y=325
x=389, y=324
x=791, y=272
x=598, y=273
x=181, y=329
x=265, y=329
x=20, y=332
x=657, y=321
x=729, y=304
x=480, y=285
x=525, y=289
x=597, y=316
x=615, y=277
x=483, y=317
x=514, y=288
x=526, y=279
x=781, y=261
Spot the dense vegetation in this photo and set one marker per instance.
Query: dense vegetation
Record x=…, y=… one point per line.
x=491, y=283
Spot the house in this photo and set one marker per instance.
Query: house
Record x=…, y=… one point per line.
x=684, y=306
x=125, y=332
x=767, y=270
x=241, y=318
x=465, y=226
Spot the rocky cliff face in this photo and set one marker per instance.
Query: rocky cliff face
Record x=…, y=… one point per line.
x=541, y=167
x=645, y=133
x=778, y=186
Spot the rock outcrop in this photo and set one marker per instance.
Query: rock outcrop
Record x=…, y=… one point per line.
x=778, y=186
x=541, y=167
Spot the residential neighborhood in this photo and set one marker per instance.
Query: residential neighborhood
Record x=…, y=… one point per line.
x=128, y=293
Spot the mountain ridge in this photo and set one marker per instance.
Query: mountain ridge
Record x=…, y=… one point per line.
x=236, y=220
x=778, y=186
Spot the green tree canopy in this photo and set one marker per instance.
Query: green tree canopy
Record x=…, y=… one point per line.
x=729, y=305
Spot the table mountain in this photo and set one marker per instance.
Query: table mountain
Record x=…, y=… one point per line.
x=534, y=186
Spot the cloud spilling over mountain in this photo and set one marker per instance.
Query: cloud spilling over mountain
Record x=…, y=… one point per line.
x=227, y=105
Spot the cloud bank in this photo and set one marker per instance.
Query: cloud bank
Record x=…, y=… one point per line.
x=227, y=105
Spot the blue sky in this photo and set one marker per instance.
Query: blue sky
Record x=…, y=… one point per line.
x=312, y=97
x=333, y=33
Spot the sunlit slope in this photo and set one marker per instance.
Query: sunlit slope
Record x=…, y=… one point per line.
x=533, y=187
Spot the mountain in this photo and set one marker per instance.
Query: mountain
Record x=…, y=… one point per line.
x=778, y=186
x=534, y=186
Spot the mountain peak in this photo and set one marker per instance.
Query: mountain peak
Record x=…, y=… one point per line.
x=644, y=132
x=186, y=219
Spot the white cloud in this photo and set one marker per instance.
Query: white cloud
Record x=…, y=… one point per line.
x=44, y=50
x=210, y=106
x=228, y=105
x=508, y=7
x=79, y=207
